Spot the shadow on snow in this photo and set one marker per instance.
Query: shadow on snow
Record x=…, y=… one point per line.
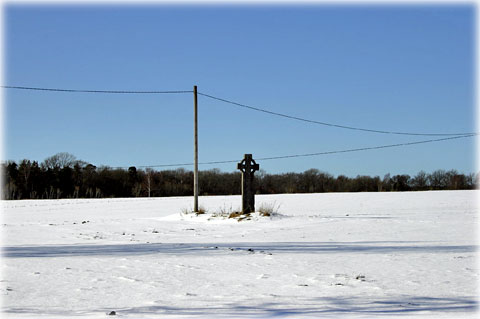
x=314, y=307
x=379, y=247
x=323, y=306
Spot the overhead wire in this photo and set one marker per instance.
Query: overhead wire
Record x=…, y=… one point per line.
x=96, y=91
x=240, y=105
x=366, y=148
x=181, y=164
x=325, y=123
x=309, y=154
x=452, y=136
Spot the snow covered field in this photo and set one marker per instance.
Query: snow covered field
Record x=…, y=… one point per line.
x=359, y=255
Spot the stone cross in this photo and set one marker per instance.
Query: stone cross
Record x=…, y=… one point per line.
x=248, y=167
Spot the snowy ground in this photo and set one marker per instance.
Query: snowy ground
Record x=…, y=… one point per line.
x=359, y=255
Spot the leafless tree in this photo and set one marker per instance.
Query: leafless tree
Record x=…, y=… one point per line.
x=420, y=181
x=148, y=180
x=438, y=179
x=60, y=160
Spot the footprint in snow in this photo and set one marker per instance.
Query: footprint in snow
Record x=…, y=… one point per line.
x=186, y=266
x=128, y=279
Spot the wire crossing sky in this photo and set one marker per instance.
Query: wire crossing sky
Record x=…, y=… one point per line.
x=330, y=124
x=307, y=155
x=237, y=104
x=400, y=71
x=94, y=91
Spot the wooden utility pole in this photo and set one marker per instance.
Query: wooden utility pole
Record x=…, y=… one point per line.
x=195, y=168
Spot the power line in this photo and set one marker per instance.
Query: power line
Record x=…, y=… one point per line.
x=237, y=104
x=311, y=154
x=330, y=124
x=93, y=91
x=365, y=148
x=189, y=164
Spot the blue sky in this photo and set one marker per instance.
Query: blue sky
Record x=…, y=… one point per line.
x=394, y=68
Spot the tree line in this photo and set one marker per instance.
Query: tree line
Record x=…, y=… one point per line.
x=63, y=176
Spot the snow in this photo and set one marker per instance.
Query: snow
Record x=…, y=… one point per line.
x=348, y=255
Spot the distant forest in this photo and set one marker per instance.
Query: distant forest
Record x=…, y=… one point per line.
x=63, y=176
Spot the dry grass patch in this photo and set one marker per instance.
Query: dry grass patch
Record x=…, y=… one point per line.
x=228, y=212
x=201, y=210
x=187, y=211
x=268, y=209
x=235, y=214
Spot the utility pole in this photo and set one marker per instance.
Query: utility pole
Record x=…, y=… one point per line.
x=195, y=168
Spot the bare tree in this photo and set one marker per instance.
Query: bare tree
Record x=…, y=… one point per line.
x=60, y=160
x=471, y=181
x=420, y=181
x=24, y=171
x=438, y=179
x=148, y=181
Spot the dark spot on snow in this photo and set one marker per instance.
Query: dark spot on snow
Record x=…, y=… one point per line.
x=155, y=231
x=360, y=277
x=460, y=257
x=9, y=289
x=36, y=273
x=251, y=250
x=112, y=313
x=338, y=284
x=303, y=285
